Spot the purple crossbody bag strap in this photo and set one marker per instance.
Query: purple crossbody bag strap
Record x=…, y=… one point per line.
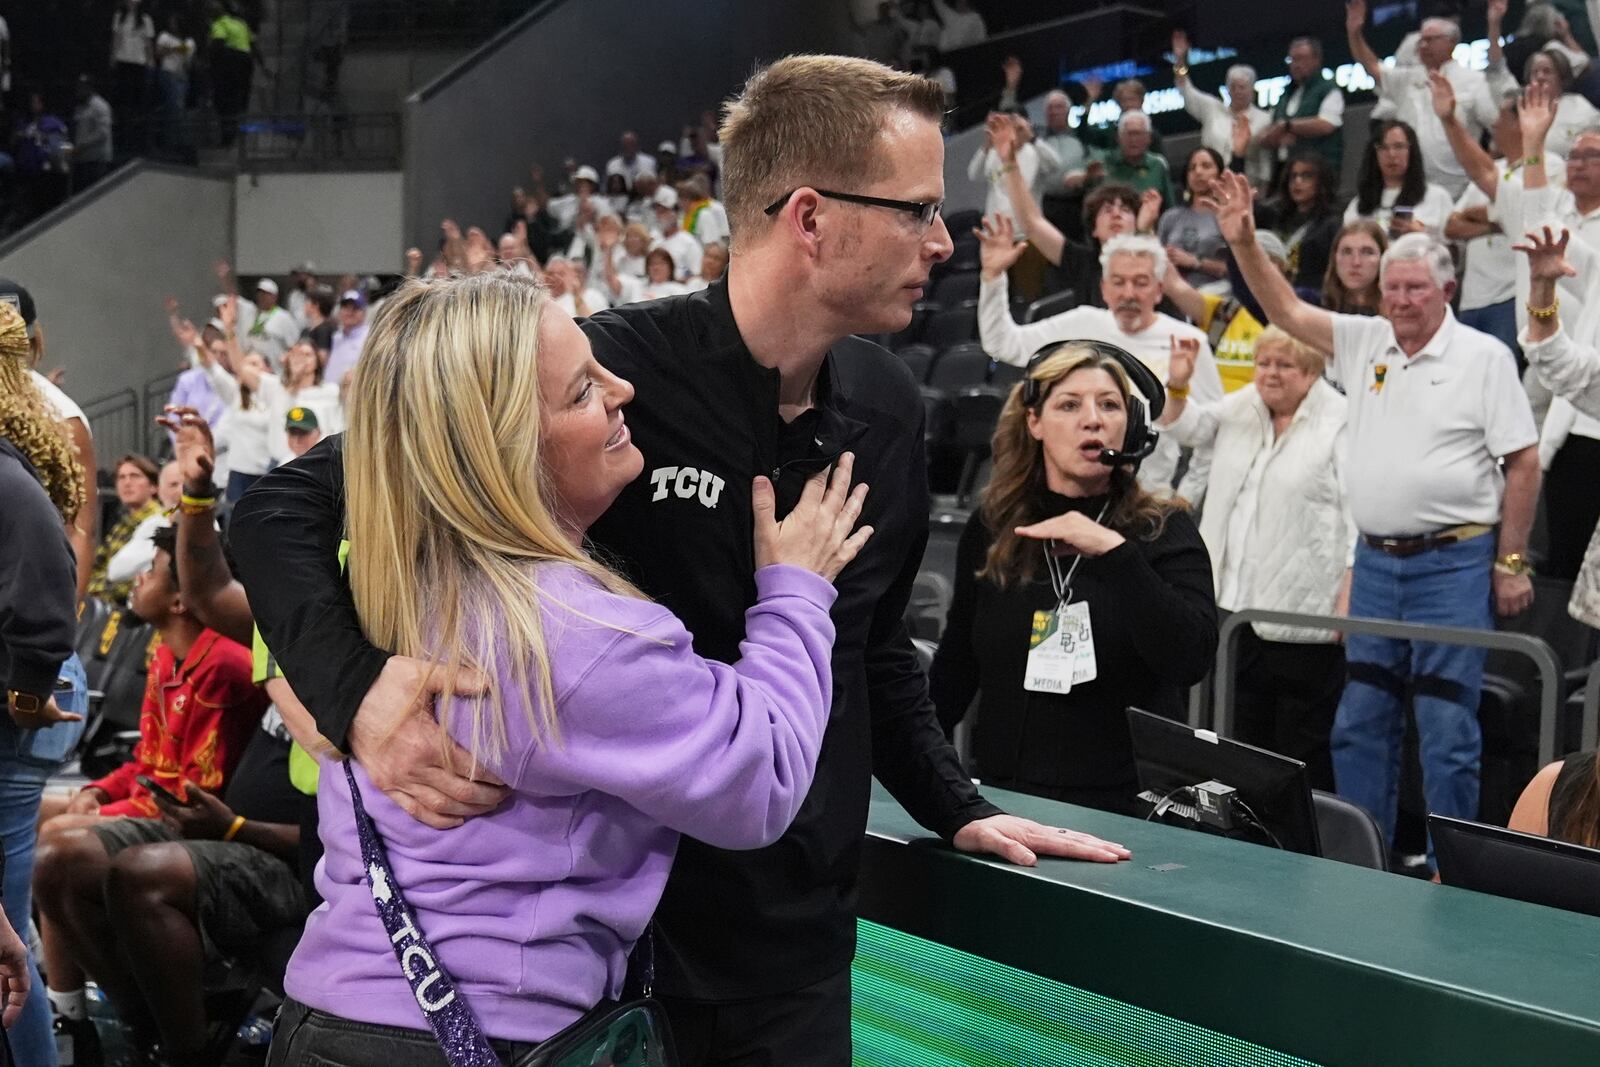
x=457, y=1032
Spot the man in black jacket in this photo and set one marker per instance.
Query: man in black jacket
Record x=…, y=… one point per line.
x=833, y=179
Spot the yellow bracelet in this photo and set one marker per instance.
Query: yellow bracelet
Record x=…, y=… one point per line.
x=186, y=501
x=1178, y=392
x=238, y=821
x=1545, y=313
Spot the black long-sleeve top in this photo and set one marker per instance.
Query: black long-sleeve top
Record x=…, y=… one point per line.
x=38, y=581
x=705, y=415
x=1154, y=619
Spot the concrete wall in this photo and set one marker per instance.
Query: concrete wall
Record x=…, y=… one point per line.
x=344, y=223
x=380, y=79
x=100, y=267
x=569, y=78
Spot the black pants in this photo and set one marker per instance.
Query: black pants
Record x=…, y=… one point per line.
x=306, y=1037
x=1572, y=506
x=809, y=1027
x=1287, y=697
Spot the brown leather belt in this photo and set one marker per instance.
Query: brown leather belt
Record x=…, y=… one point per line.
x=1409, y=546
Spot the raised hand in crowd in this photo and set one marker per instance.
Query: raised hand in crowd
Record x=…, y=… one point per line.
x=1355, y=16
x=998, y=246
x=1001, y=135
x=1241, y=134
x=1180, y=364
x=1180, y=49
x=1547, y=255
x=1443, y=94
x=1092, y=88
x=224, y=274
x=56, y=376
x=1149, y=211
x=455, y=252
x=1011, y=70
x=1535, y=115
x=413, y=262
x=1234, y=199
x=193, y=448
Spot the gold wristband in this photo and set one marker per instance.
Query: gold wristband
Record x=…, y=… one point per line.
x=238, y=822
x=1181, y=70
x=196, y=505
x=1178, y=392
x=1545, y=313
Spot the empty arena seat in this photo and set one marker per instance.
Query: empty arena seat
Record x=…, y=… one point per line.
x=960, y=366
x=956, y=287
x=919, y=358
x=952, y=326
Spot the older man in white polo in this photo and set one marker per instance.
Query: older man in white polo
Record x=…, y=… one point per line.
x=1435, y=410
x=1131, y=270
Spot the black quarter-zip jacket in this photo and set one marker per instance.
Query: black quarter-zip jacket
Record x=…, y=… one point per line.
x=731, y=925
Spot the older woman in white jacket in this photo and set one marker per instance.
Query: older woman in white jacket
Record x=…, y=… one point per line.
x=1280, y=536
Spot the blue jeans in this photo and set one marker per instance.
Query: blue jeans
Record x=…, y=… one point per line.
x=27, y=759
x=1448, y=586
x=1498, y=321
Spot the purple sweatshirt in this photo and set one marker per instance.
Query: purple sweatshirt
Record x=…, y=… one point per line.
x=534, y=908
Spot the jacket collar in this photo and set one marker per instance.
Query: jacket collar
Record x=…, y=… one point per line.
x=838, y=419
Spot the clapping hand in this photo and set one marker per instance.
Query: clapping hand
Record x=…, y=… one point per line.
x=998, y=247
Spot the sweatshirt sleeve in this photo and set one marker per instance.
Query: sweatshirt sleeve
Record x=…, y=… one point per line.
x=726, y=754
x=1173, y=586
x=285, y=537
x=38, y=582
x=1003, y=338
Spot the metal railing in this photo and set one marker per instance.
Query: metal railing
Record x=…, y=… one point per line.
x=154, y=396
x=1543, y=656
x=354, y=141
x=117, y=422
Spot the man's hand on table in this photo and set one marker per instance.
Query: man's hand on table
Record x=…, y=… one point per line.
x=1023, y=841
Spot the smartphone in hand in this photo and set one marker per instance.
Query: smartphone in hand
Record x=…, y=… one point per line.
x=161, y=791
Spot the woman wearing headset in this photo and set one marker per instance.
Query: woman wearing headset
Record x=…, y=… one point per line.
x=1077, y=593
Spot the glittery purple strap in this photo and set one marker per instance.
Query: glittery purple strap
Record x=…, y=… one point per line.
x=458, y=1034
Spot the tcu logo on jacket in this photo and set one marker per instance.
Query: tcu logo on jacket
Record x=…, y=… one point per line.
x=685, y=483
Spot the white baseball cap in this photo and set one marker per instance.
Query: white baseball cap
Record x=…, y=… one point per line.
x=586, y=174
x=667, y=197
x=267, y=285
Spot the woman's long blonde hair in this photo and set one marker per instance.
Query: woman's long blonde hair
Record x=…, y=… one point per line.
x=1017, y=493
x=447, y=502
x=27, y=421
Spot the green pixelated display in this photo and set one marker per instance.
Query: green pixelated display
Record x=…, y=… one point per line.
x=918, y=1003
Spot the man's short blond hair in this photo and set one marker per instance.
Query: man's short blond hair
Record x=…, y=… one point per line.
x=812, y=120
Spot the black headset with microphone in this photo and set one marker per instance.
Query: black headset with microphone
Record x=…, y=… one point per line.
x=1140, y=439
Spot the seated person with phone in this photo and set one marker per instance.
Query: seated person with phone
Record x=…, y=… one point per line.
x=200, y=711
x=210, y=880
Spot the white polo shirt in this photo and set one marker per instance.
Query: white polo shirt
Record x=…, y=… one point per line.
x=1009, y=342
x=1424, y=445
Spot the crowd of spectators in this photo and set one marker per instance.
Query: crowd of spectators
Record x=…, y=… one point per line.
x=1285, y=435
x=151, y=82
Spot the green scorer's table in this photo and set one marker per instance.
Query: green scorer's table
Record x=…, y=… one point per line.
x=1201, y=951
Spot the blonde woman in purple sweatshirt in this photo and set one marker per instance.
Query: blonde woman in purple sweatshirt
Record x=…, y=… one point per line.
x=483, y=440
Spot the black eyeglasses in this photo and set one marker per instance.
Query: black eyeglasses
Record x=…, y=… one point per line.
x=923, y=211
